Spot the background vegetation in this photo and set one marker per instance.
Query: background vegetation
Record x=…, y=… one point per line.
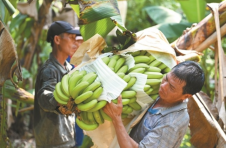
x=141, y=14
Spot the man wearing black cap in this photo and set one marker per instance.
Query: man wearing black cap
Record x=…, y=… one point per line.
x=51, y=128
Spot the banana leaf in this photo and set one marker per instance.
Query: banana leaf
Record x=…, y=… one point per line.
x=98, y=17
x=2, y=10
x=17, y=21
x=172, y=30
x=161, y=14
x=193, y=9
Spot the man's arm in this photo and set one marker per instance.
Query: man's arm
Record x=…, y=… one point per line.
x=114, y=111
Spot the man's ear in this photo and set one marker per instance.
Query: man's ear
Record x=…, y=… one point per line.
x=187, y=96
x=56, y=39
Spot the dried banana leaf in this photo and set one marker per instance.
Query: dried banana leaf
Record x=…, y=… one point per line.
x=204, y=121
x=28, y=9
x=198, y=34
x=8, y=56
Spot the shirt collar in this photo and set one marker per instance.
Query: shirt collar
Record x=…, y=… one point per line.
x=167, y=110
x=59, y=66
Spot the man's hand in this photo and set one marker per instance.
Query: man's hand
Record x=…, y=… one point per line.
x=114, y=110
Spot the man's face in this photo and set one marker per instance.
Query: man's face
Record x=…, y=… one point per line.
x=171, y=89
x=68, y=43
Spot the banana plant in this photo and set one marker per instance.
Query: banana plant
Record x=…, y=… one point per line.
x=100, y=18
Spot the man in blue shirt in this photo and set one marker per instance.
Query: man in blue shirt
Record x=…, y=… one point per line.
x=165, y=123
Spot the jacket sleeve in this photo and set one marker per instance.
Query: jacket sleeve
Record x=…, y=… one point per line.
x=45, y=96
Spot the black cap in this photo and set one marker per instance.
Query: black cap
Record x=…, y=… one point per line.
x=59, y=27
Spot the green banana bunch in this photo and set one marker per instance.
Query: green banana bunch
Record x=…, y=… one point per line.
x=59, y=96
x=84, y=126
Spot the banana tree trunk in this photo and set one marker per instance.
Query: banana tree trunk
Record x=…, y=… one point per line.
x=36, y=32
x=203, y=34
x=4, y=141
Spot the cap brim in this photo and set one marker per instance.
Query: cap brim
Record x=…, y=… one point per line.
x=74, y=31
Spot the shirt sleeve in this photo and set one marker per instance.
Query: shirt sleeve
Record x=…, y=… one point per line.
x=45, y=94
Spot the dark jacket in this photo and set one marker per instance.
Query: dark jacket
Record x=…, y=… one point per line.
x=51, y=129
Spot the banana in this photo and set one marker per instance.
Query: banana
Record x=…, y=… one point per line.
x=128, y=94
x=78, y=89
x=104, y=115
x=85, y=126
x=75, y=72
x=73, y=80
x=139, y=65
x=153, y=82
x=106, y=60
x=151, y=59
x=149, y=91
x=154, y=75
x=91, y=118
x=123, y=69
x=155, y=63
x=135, y=106
x=96, y=94
x=64, y=85
x=98, y=118
x=83, y=97
x=119, y=63
x=154, y=92
x=98, y=106
x=116, y=57
x=84, y=117
x=83, y=72
x=131, y=82
x=138, y=70
x=136, y=53
x=125, y=101
x=141, y=59
x=124, y=108
x=112, y=63
x=115, y=101
x=147, y=87
x=153, y=69
x=131, y=100
x=147, y=54
x=155, y=87
x=143, y=52
x=92, y=87
x=129, y=110
x=121, y=75
x=155, y=96
x=113, y=69
x=59, y=92
x=162, y=66
x=123, y=116
x=87, y=106
x=166, y=70
x=58, y=99
x=126, y=78
x=90, y=77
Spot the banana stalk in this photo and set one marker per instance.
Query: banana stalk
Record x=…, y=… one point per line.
x=201, y=32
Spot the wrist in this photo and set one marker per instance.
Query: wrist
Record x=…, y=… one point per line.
x=117, y=120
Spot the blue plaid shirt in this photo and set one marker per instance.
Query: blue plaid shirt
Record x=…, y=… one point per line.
x=162, y=127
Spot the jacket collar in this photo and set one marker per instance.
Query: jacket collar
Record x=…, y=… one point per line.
x=59, y=66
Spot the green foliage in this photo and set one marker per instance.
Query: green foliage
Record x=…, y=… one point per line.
x=161, y=14
x=193, y=9
x=207, y=64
